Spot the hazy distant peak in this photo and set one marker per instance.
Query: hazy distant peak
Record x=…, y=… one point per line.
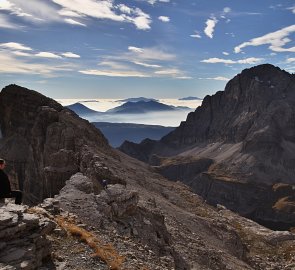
x=81, y=109
x=137, y=99
x=190, y=98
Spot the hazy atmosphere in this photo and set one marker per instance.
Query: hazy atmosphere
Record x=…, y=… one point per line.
x=158, y=48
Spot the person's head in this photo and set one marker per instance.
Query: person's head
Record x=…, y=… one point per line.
x=2, y=164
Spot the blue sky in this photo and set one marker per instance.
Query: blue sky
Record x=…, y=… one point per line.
x=152, y=48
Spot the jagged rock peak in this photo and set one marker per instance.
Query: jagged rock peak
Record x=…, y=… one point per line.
x=43, y=142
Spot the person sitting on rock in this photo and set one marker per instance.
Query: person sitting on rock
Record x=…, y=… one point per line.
x=5, y=189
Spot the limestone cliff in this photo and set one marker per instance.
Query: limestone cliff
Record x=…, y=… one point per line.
x=42, y=142
x=248, y=132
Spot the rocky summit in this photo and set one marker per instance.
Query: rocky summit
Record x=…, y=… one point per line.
x=237, y=148
x=140, y=220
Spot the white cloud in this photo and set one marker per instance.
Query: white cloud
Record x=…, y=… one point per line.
x=172, y=72
x=290, y=60
x=292, y=9
x=251, y=60
x=141, y=20
x=15, y=46
x=125, y=9
x=18, y=53
x=276, y=40
x=152, y=2
x=195, y=36
x=10, y=64
x=48, y=55
x=227, y=10
x=36, y=10
x=106, y=9
x=70, y=55
x=135, y=49
x=164, y=18
x=210, y=25
x=69, y=13
x=136, y=54
x=218, y=78
x=215, y=60
x=146, y=65
x=71, y=21
x=112, y=73
x=114, y=65
x=225, y=53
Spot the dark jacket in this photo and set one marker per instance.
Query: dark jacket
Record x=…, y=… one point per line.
x=4, y=184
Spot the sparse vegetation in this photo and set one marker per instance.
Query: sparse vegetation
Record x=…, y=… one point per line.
x=106, y=252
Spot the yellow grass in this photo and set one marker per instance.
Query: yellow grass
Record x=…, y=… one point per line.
x=106, y=252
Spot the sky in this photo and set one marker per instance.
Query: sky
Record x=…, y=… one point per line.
x=151, y=48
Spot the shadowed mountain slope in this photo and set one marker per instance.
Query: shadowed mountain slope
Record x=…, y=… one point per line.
x=248, y=132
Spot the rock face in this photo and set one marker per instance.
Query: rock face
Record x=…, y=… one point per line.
x=23, y=242
x=42, y=142
x=248, y=131
x=152, y=223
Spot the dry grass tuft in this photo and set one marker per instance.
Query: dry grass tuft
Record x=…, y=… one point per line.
x=285, y=203
x=106, y=252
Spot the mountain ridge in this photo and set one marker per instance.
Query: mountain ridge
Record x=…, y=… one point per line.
x=248, y=132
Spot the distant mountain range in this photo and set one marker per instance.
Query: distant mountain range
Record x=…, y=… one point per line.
x=130, y=107
x=144, y=107
x=190, y=98
x=117, y=133
x=136, y=99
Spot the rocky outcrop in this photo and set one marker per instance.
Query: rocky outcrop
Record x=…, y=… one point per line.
x=116, y=203
x=248, y=132
x=176, y=231
x=43, y=143
x=23, y=242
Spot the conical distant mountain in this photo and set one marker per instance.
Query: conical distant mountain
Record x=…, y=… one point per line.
x=81, y=109
x=247, y=133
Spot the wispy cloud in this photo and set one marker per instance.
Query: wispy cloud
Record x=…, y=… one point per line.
x=74, y=22
x=251, y=60
x=152, y=2
x=70, y=55
x=111, y=73
x=36, y=11
x=290, y=60
x=276, y=40
x=105, y=10
x=227, y=10
x=292, y=9
x=10, y=64
x=196, y=35
x=15, y=46
x=164, y=18
x=148, y=54
x=47, y=55
x=218, y=78
x=225, y=53
x=138, y=62
x=210, y=25
x=146, y=65
x=172, y=72
x=69, y=11
x=6, y=23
